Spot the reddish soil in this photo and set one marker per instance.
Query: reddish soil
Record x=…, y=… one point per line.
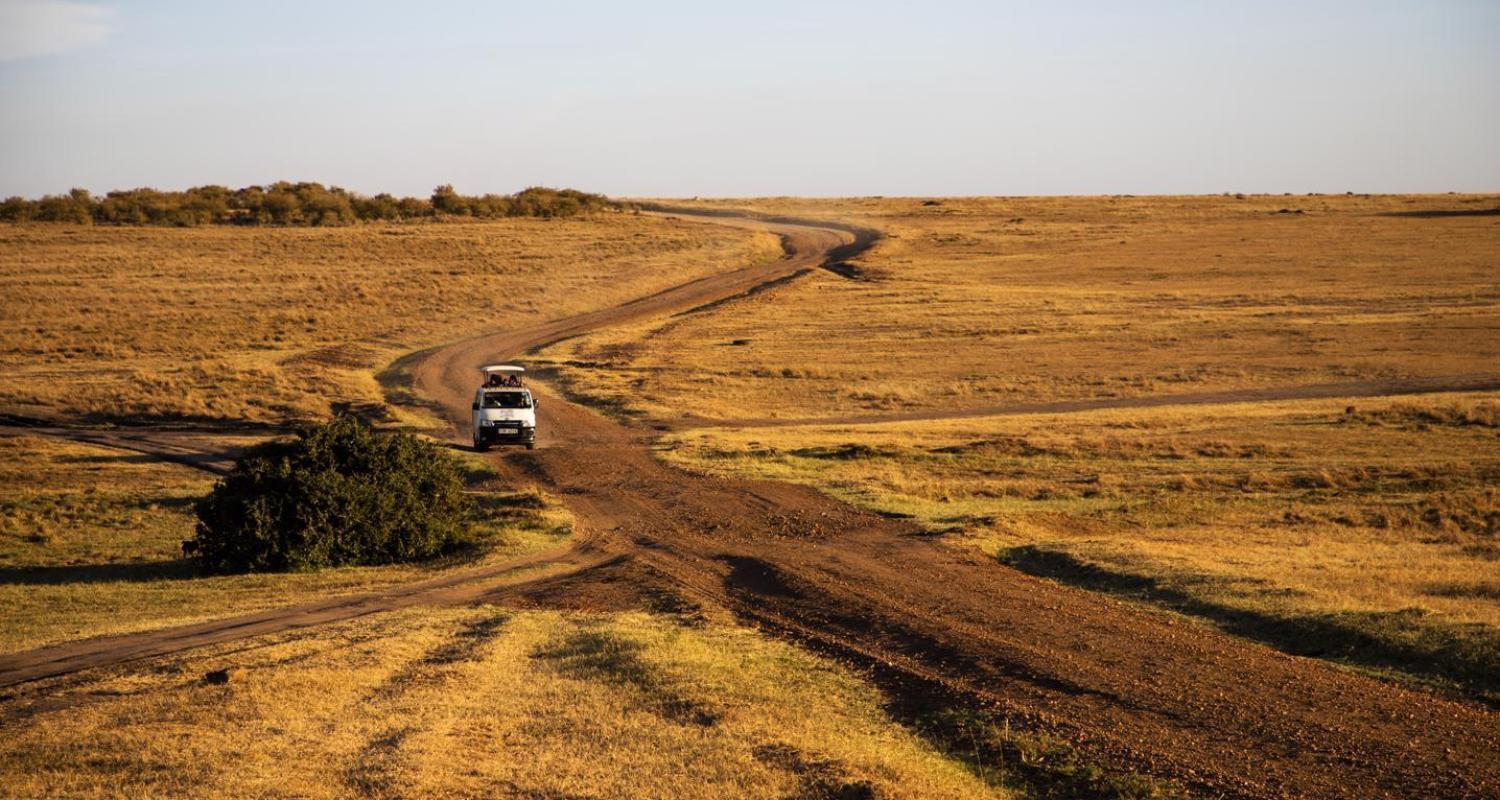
x=1133, y=688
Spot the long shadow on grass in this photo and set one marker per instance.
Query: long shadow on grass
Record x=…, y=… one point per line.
x=459, y=555
x=149, y=458
x=397, y=383
x=1394, y=641
x=599, y=655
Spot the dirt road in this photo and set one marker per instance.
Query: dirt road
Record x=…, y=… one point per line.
x=1138, y=689
x=1132, y=688
x=192, y=448
x=1305, y=391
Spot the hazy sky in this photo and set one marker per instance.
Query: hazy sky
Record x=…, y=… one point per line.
x=705, y=98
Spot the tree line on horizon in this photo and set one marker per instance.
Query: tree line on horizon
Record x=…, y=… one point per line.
x=287, y=203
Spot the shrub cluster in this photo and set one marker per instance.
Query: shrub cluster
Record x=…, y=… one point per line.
x=290, y=204
x=339, y=494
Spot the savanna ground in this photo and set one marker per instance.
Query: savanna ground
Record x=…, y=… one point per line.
x=472, y=702
x=1366, y=534
x=479, y=702
x=213, y=328
x=987, y=301
x=221, y=327
x=1363, y=530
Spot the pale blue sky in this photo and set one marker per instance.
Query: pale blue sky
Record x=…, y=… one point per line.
x=699, y=98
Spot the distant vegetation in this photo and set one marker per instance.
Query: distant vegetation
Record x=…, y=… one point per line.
x=286, y=203
x=340, y=494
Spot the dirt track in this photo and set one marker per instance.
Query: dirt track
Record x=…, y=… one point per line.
x=1306, y=391
x=1134, y=688
x=181, y=446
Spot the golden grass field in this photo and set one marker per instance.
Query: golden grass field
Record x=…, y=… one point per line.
x=996, y=300
x=1360, y=530
x=479, y=702
x=255, y=325
x=277, y=325
x=272, y=324
x=1368, y=537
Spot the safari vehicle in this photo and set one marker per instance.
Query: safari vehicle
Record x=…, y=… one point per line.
x=504, y=409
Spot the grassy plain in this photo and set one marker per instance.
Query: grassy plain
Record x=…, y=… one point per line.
x=268, y=325
x=272, y=324
x=275, y=325
x=988, y=301
x=1368, y=536
x=476, y=702
x=1372, y=538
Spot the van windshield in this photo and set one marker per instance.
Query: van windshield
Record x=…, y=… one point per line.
x=506, y=400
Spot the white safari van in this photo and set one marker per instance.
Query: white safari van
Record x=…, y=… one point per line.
x=504, y=410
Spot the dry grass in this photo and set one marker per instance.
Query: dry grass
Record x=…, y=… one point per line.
x=1296, y=522
x=257, y=325
x=1293, y=522
x=477, y=702
x=276, y=324
x=987, y=301
x=63, y=504
x=91, y=544
x=1367, y=536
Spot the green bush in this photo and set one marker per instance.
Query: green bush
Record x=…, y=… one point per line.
x=338, y=494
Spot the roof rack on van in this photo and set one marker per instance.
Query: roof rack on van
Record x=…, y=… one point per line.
x=501, y=368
